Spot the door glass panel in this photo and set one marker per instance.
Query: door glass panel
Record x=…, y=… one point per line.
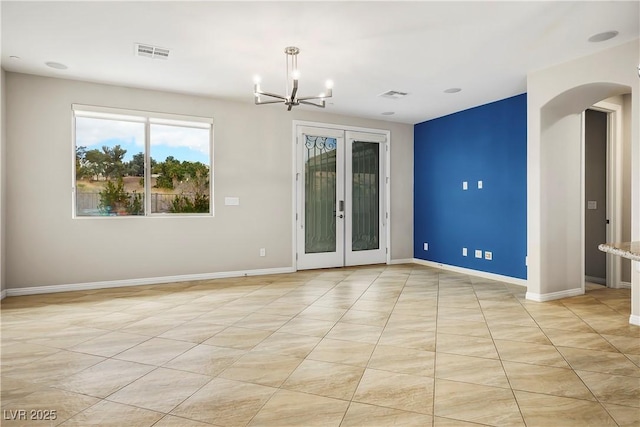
x=366, y=196
x=320, y=194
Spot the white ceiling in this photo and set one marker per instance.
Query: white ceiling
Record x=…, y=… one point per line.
x=366, y=48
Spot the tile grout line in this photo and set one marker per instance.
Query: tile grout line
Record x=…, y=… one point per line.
x=435, y=348
x=569, y=363
x=305, y=358
x=374, y=346
x=515, y=399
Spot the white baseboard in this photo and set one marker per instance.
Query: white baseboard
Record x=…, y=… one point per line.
x=3, y=294
x=144, y=281
x=401, y=261
x=470, y=272
x=554, y=295
x=603, y=281
x=598, y=280
x=634, y=320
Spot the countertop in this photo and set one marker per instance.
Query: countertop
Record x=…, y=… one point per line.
x=630, y=250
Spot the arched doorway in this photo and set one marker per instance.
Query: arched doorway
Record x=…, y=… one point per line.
x=562, y=187
x=557, y=98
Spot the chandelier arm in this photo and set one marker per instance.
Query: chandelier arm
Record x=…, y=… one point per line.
x=307, y=98
x=312, y=103
x=273, y=95
x=275, y=101
x=327, y=94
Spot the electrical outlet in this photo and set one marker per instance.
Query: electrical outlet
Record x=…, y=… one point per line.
x=426, y=246
x=478, y=253
x=488, y=255
x=465, y=185
x=263, y=252
x=464, y=251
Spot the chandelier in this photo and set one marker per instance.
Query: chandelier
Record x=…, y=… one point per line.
x=291, y=98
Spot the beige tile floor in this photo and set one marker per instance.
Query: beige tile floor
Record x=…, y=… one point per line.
x=370, y=346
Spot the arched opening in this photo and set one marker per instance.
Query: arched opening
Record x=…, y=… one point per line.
x=562, y=203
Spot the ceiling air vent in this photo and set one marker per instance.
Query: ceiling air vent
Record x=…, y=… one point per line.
x=393, y=94
x=154, y=52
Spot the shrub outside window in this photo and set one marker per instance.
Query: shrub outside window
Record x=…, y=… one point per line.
x=132, y=163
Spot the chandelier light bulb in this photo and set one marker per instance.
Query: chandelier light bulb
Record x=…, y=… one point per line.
x=295, y=74
x=329, y=84
x=257, y=79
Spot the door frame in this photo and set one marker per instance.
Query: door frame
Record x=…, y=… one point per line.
x=295, y=177
x=614, y=188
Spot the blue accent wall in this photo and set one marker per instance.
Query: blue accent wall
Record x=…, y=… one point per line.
x=487, y=143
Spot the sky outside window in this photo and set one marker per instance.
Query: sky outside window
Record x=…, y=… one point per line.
x=93, y=133
x=183, y=143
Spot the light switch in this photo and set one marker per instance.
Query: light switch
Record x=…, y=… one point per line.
x=465, y=185
x=479, y=185
x=478, y=253
x=232, y=201
x=464, y=251
x=592, y=204
x=426, y=246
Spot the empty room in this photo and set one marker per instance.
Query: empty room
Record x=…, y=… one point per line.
x=318, y=213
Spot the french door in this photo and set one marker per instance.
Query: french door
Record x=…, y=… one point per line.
x=341, y=209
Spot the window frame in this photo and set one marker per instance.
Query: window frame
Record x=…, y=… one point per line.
x=147, y=118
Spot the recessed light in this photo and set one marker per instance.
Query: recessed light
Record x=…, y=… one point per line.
x=56, y=65
x=388, y=113
x=600, y=37
x=453, y=90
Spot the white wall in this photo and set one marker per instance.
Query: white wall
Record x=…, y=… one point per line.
x=252, y=161
x=561, y=207
x=626, y=182
x=3, y=139
x=3, y=133
x=556, y=96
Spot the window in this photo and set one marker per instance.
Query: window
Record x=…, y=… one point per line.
x=135, y=163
